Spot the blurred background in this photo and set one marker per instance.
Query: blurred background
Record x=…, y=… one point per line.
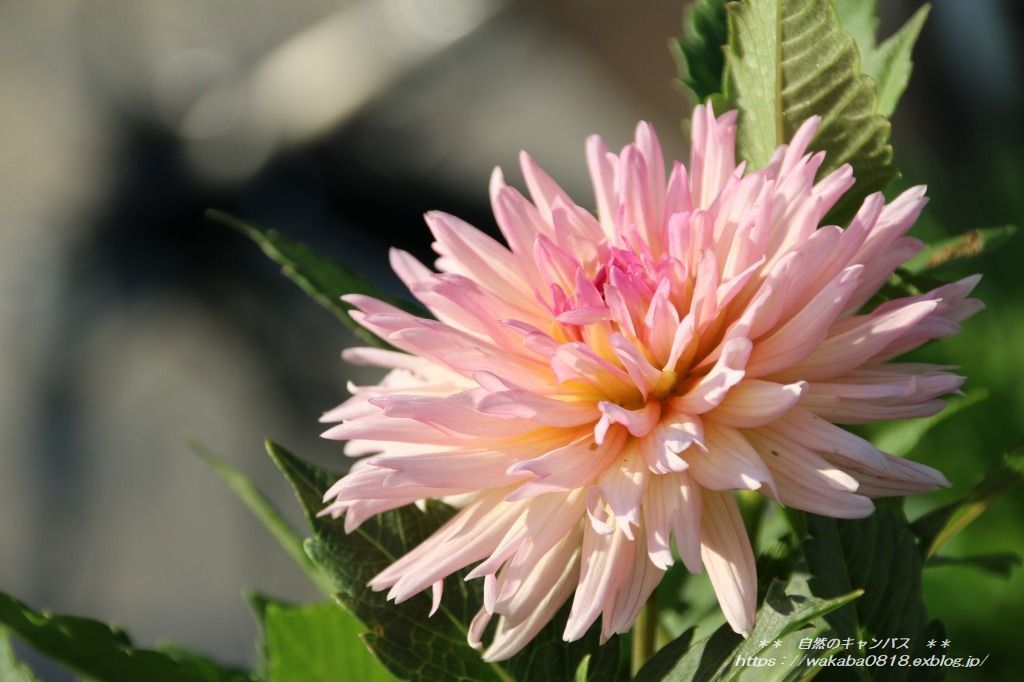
x=128, y=322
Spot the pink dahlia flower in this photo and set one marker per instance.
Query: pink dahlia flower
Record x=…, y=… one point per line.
x=599, y=387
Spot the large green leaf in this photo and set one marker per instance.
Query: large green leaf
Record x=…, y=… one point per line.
x=938, y=526
x=880, y=556
x=264, y=510
x=888, y=64
x=412, y=644
x=317, y=643
x=700, y=50
x=12, y=670
x=106, y=654
x=786, y=609
x=788, y=60
x=324, y=280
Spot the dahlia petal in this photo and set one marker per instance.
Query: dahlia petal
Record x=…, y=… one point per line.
x=839, y=253
x=900, y=477
x=806, y=481
x=602, y=176
x=446, y=552
x=839, y=411
x=712, y=389
x=436, y=591
x=650, y=147
x=712, y=153
x=677, y=194
x=682, y=344
x=638, y=422
x=859, y=340
x=622, y=488
x=895, y=220
x=729, y=559
x=553, y=582
x=730, y=463
x=814, y=433
x=671, y=507
x=878, y=270
x=378, y=357
x=674, y=434
x=384, y=429
x=644, y=203
x=643, y=374
x=559, y=534
x=798, y=144
x=520, y=223
x=575, y=361
x=569, y=466
x=451, y=415
x=512, y=401
x=687, y=524
x=802, y=334
x=619, y=614
x=754, y=402
x=459, y=469
x=604, y=563
x=660, y=324
x=543, y=190
x=467, y=251
x=542, y=524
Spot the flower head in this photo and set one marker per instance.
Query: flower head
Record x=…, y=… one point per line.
x=599, y=387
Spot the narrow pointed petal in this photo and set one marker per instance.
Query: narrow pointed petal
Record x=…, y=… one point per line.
x=729, y=559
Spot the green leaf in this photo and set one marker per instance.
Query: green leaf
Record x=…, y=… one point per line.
x=412, y=644
x=264, y=510
x=700, y=51
x=786, y=608
x=317, y=643
x=321, y=278
x=788, y=60
x=106, y=654
x=859, y=18
x=967, y=245
x=880, y=556
x=998, y=563
x=11, y=669
x=888, y=64
x=258, y=603
x=900, y=438
x=937, y=527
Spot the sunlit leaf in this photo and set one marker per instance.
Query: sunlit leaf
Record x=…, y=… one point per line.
x=888, y=64
x=11, y=669
x=789, y=60
x=318, y=643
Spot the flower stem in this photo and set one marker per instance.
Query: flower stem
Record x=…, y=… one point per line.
x=645, y=631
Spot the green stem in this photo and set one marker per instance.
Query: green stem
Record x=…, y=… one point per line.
x=645, y=631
